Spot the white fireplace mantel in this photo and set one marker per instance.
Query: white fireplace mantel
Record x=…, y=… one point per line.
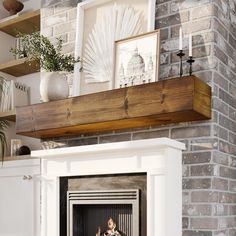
x=160, y=159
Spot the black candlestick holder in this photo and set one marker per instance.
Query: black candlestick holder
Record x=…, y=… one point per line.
x=180, y=54
x=190, y=61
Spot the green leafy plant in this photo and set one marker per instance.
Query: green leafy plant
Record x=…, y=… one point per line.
x=38, y=48
x=3, y=126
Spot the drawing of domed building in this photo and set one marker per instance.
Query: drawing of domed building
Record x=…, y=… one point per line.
x=137, y=72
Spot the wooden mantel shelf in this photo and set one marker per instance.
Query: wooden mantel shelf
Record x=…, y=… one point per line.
x=163, y=102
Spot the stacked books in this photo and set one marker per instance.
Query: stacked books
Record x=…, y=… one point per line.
x=13, y=94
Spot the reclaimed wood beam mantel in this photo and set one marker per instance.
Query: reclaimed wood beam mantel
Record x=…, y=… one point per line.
x=163, y=102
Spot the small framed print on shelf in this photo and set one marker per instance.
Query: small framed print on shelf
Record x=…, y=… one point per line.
x=137, y=60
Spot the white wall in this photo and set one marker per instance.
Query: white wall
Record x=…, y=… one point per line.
x=31, y=5
x=6, y=42
x=32, y=143
x=3, y=11
x=32, y=80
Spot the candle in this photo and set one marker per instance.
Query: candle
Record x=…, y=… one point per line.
x=180, y=39
x=190, y=46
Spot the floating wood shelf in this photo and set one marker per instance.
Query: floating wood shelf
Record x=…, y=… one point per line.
x=25, y=23
x=19, y=67
x=8, y=115
x=169, y=101
x=18, y=158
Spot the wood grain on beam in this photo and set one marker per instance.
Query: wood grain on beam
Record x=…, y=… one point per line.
x=163, y=102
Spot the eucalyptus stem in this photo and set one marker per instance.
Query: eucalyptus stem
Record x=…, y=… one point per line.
x=41, y=50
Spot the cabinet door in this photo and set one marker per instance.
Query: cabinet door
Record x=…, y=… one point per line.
x=19, y=205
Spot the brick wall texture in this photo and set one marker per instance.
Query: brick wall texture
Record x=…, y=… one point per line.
x=209, y=162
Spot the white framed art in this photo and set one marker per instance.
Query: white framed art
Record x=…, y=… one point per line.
x=137, y=60
x=99, y=24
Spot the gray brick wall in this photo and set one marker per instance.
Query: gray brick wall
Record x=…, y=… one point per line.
x=209, y=163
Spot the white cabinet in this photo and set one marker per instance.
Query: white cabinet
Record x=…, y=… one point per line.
x=20, y=198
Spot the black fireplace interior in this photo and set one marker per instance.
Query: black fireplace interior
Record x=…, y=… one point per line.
x=87, y=218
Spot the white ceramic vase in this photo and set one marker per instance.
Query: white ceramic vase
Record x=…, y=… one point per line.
x=53, y=86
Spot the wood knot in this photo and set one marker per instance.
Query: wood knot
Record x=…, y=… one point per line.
x=68, y=113
x=162, y=98
x=126, y=104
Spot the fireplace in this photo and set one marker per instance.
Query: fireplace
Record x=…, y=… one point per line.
x=91, y=212
x=70, y=177
x=87, y=203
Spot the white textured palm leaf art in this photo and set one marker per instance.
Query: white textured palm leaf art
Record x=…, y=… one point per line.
x=120, y=21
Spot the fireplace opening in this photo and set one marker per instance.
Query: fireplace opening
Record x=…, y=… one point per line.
x=95, y=220
x=89, y=205
x=98, y=213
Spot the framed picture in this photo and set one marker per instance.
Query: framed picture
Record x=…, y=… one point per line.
x=99, y=24
x=137, y=60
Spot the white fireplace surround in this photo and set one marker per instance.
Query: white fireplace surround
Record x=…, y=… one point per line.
x=160, y=159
